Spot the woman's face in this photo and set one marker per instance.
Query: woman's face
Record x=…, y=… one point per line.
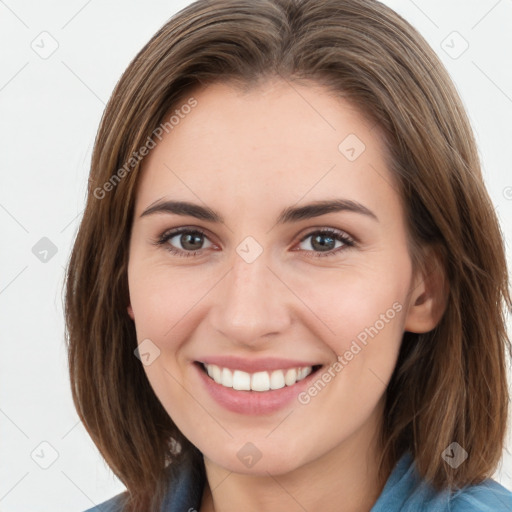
x=269, y=242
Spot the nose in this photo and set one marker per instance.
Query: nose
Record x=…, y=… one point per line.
x=252, y=305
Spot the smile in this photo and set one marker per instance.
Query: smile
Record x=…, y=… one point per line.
x=258, y=381
x=254, y=386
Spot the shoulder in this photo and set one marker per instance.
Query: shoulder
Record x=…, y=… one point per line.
x=114, y=504
x=407, y=492
x=488, y=496
x=185, y=482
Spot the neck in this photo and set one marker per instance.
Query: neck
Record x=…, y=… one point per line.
x=345, y=479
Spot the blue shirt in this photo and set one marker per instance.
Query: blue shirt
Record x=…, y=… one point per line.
x=404, y=492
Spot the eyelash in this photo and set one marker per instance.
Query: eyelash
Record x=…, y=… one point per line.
x=337, y=235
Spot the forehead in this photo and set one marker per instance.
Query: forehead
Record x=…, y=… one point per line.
x=275, y=143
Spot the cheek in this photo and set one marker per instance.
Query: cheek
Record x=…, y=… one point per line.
x=166, y=305
x=360, y=317
x=163, y=303
x=162, y=297
x=365, y=332
x=357, y=305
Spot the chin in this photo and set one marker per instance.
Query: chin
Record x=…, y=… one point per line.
x=247, y=459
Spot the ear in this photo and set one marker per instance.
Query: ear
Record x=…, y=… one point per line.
x=428, y=295
x=130, y=311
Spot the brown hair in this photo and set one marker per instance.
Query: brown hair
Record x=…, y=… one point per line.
x=450, y=383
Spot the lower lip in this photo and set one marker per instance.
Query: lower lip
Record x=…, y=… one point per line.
x=253, y=402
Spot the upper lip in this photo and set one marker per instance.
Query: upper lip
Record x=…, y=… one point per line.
x=255, y=365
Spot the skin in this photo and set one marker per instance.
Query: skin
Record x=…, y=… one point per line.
x=248, y=156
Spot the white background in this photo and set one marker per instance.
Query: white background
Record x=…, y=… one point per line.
x=50, y=110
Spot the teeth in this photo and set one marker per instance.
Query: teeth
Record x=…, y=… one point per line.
x=277, y=379
x=304, y=372
x=227, y=378
x=241, y=380
x=259, y=381
x=291, y=377
x=216, y=374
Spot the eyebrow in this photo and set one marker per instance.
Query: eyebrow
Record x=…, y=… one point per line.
x=290, y=214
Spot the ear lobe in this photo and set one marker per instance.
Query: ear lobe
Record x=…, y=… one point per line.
x=130, y=312
x=429, y=296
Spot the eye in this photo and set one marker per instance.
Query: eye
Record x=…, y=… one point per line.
x=324, y=242
x=184, y=241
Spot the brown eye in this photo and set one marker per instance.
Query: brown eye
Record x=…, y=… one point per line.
x=184, y=242
x=190, y=241
x=328, y=242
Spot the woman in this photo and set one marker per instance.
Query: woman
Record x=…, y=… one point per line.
x=288, y=287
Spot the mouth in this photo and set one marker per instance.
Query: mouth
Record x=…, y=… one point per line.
x=260, y=381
